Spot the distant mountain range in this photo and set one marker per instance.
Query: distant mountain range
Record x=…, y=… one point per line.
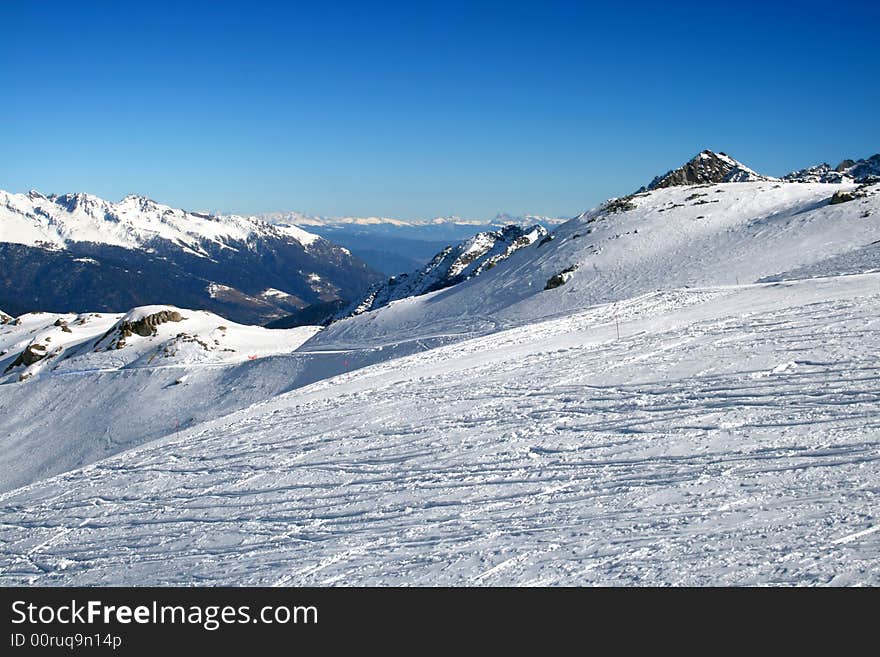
x=395, y=246
x=847, y=171
x=80, y=252
x=500, y=219
x=77, y=252
x=452, y=265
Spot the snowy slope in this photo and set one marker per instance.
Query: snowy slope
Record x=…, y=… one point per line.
x=98, y=386
x=149, y=336
x=679, y=236
x=671, y=239
x=727, y=437
x=451, y=266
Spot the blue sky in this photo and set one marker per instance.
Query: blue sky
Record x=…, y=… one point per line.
x=419, y=109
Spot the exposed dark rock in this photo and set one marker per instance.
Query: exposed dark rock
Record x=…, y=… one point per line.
x=622, y=204
x=706, y=168
x=842, y=197
x=560, y=279
x=33, y=353
x=146, y=326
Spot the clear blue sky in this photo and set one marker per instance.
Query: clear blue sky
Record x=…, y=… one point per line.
x=421, y=109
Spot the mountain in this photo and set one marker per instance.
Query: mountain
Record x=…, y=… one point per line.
x=862, y=170
x=665, y=238
x=706, y=168
x=393, y=246
x=149, y=336
x=4, y=318
x=318, y=314
x=76, y=251
x=859, y=171
x=313, y=221
x=452, y=265
x=677, y=388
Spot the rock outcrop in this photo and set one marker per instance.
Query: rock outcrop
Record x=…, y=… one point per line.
x=705, y=168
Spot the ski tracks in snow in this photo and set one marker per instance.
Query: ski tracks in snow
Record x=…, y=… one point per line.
x=683, y=453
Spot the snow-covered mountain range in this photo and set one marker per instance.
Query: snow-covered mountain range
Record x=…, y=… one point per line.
x=79, y=251
x=452, y=265
x=499, y=220
x=677, y=388
x=860, y=171
x=668, y=237
x=395, y=246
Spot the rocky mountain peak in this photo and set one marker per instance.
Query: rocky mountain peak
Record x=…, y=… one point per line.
x=707, y=167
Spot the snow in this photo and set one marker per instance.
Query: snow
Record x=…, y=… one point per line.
x=93, y=342
x=217, y=290
x=500, y=219
x=97, y=392
x=696, y=404
x=550, y=454
x=453, y=264
x=847, y=171
x=301, y=236
x=54, y=221
x=731, y=233
x=273, y=293
x=743, y=173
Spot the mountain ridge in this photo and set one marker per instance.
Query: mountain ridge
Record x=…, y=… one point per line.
x=707, y=167
x=860, y=171
x=72, y=251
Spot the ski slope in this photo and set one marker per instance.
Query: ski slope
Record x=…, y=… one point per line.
x=728, y=436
